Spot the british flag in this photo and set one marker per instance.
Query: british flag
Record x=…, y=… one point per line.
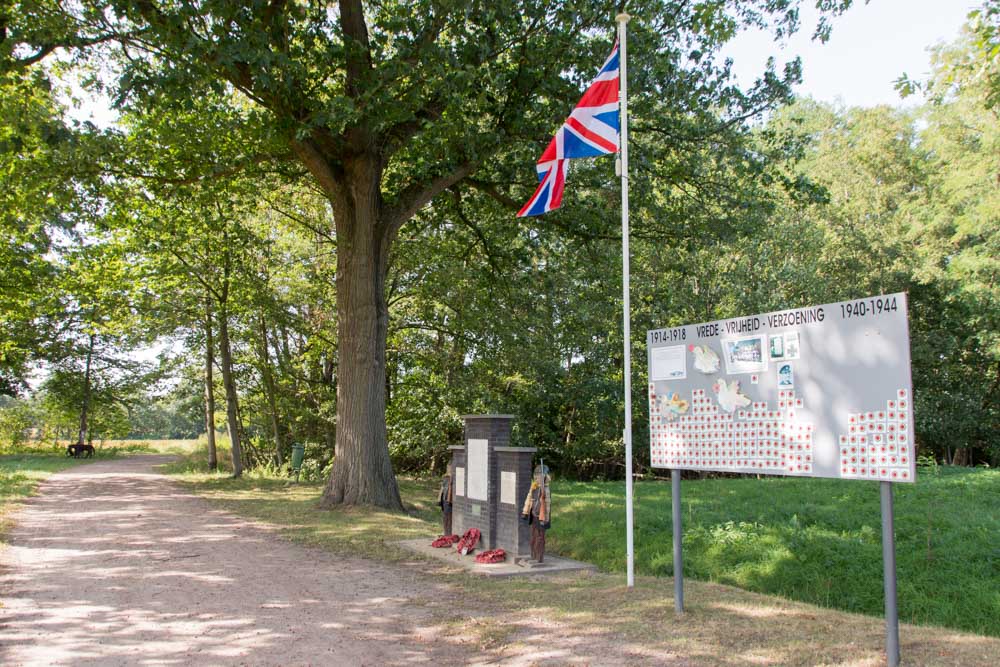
x=591, y=130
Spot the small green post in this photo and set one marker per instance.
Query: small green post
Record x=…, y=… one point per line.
x=298, y=454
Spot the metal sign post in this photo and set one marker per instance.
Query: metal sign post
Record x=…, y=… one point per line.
x=889, y=576
x=815, y=391
x=675, y=488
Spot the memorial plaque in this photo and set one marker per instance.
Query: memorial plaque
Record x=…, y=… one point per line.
x=508, y=488
x=478, y=462
x=459, y=481
x=822, y=391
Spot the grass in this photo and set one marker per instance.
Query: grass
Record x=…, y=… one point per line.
x=814, y=540
x=722, y=624
x=107, y=448
x=350, y=531
x=20, y=475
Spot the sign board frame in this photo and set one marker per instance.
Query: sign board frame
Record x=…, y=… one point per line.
x=820, y=391
x=877, y=326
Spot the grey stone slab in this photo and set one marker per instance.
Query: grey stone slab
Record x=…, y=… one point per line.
x=510, y=568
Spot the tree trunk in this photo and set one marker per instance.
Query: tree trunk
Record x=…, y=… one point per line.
x=228, y=382
x=362, y=471
x=961, y=457
x=272, y=403
x=213, y=456
x=85, y=404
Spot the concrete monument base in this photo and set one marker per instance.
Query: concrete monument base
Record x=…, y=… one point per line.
x=512, y=567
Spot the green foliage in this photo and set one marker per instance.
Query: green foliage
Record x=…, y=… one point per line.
x=401, y=103
x=16, y=419
x=204, y=201
x=813, y=540
x=177, y=415
x=44, y=183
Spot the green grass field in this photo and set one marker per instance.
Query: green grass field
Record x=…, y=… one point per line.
x=814, y=540
x=105, y=448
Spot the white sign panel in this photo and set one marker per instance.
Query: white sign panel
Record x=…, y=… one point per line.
x=823, y=391
x=478, y=453
x=508, y=487
x=459, y=481
x=668, y=363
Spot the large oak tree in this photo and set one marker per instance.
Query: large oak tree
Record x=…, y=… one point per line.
x=387, y=104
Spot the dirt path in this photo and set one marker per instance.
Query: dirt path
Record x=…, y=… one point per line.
x=112, y=564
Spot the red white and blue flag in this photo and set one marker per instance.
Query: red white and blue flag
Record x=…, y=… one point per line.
x=591, y=130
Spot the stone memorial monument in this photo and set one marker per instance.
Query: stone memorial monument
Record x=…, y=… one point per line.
x=491, y=481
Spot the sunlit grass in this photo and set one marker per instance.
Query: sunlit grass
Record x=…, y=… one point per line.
x=818, y=541
x=813, y=540
x=293, y=507
x=109, y=448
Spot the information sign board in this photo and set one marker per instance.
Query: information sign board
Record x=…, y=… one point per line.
x=822, y=391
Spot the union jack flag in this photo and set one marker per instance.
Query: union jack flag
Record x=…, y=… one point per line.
x=590, y=130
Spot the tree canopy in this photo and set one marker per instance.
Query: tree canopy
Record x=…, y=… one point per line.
x=314, y=203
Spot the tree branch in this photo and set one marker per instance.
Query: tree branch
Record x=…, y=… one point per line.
x=490, y=189
x=416, y=196
x=315, y=229
x=314, y=160
x=45, y=50
x=191, y=180
x=464, y=219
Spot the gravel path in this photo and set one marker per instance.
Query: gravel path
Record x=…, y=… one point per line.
x=112, y=564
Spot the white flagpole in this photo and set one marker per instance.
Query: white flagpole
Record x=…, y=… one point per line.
x=622, y=20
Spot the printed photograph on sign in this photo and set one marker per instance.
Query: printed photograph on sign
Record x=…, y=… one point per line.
x=785, y=379
x=792, y=345
x=745, y=355
x=777, y=347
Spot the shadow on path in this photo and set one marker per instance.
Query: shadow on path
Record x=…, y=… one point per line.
x=113, y=564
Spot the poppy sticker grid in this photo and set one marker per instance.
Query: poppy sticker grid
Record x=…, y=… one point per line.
x=877, y=444
x=765, y=439
x=874, y=444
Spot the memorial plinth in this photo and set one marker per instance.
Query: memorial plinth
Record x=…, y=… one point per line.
x=491, y=479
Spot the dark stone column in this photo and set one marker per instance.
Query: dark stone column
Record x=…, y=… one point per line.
x=494, y=513
x=512, y=535
x=459, y=507
x=484, y=483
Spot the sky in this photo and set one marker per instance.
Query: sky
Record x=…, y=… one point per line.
x=871, y=46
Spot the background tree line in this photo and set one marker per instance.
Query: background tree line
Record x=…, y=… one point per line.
x=193, y=227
